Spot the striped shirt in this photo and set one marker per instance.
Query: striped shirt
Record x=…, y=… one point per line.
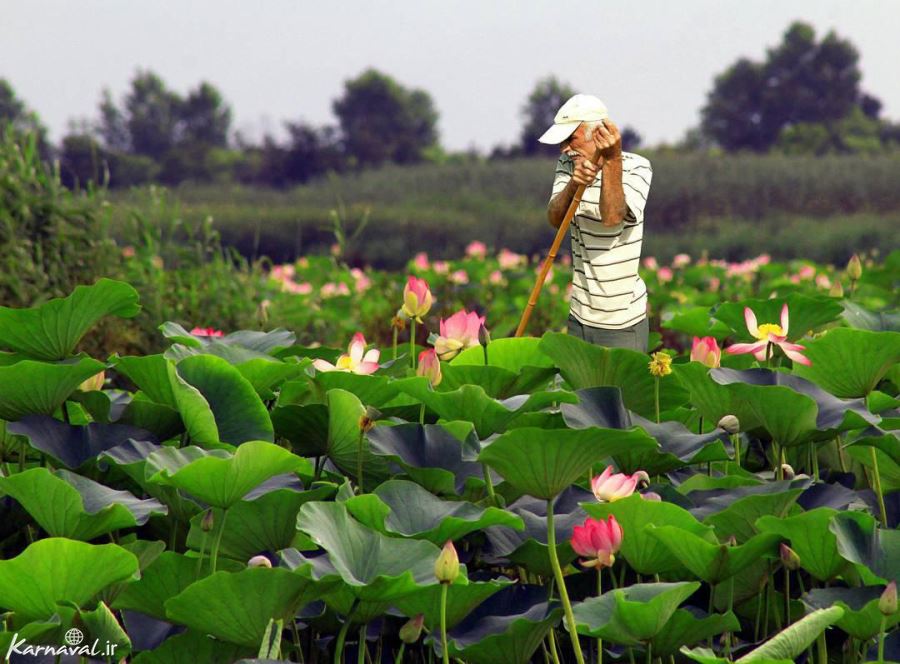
x=607, y=291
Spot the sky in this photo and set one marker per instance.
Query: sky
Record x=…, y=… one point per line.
x=651, y=61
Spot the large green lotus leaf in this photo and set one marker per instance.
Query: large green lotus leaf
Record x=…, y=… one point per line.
x=55, y=570
x=862, y=619
x=403, y=508
x=711, y=399
x=162, y=421
x=507, y=628
x=630, y=616
x=232, y=354
x=263, y=342
x=850, y=363
x=33, y=632
x=811, y=538
x=101, y=625
x=69, y=505
x=877, y=321
x=510, y=353
x=430, y=454
x=543, y=462
x=678, y=447
x=372, y=565
x=371, y=390
x=52, y=330
x=710, y=562
x=697, y=322
x=267, y=523
x=497, y=383
x=39, y=388
x=734, y=512
x=886, y=459
x=583, y=364
x=860, y=541
x=345, y=412
x=222, y=481
x=266, y=374
x=528, y=547
x=239, y=413
x=792, y=641
x=305, y=426
x=237, y=606
x=151, y=375
x=462, y=597
x=73, y=446
x=471, y=403
x=192, y=647
x=685, y=629
x=806, y=313
x=645, y=553
x=791, y=409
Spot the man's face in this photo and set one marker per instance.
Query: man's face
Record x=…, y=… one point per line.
x=578, y=142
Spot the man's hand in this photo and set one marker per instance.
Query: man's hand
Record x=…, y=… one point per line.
x=585, y=172
x=607, y=139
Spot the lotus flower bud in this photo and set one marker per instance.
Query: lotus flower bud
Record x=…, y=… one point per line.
x=854, y=268
x=412, y=629
x=787, y=470
x=730, y=424
x=446, y=567
x=789, y=557
x=888, y=602
x=417, y=298
x=207, y=522
x=93, y=383
x=429, y=366
x=259, y=561
x=836, y=290
x=731, y=541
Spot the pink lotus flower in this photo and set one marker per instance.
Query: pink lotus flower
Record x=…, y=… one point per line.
x=459, y=277
x=458, y=332
x=681, y=260
x=429, y=366
x=609, y=487
x=714, y=284
x=823, y=282
x=769, y=333
x=207, y=332
x=597, y=541
x=495, y=277
x=357, y=360
x=332, y=289
x=807, y=272
x=293, y=287
x=420, y=260
x=664, y=274
x=416, y=298
x=706, y=351
x=509, y=259
x=128, y=252
x=650, y=263
x=476, y=249
x=441, y=267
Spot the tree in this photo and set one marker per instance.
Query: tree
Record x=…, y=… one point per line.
x=539, y=110
x=382, y=121
x=14, y=112
x=151, y=115
x=204, y=118
x=801, y=81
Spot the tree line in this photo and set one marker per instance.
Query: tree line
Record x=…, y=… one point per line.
x=804, y=97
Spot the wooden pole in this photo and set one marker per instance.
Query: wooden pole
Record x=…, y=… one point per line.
x=551, y=256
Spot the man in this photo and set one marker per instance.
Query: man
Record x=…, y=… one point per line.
x=609, y=299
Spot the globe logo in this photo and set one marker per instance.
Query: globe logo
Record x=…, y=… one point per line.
x=74, y=636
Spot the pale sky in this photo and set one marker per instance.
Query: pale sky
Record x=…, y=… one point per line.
x=651, y=61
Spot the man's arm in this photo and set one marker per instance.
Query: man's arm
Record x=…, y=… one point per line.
x=556, y=210
x=612, y=192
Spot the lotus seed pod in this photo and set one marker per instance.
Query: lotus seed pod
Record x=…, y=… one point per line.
x=789, y=557
x=259, y=561
x=412, y=629
x=207, y=522
x=446, y=567
x=730, y=424
x=888, y=602
x=854, y=268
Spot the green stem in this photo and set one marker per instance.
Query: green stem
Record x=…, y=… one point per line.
x=877, y=487
x=395, y=354
x=730, y=609
x=823, y=649
x=787, y=596
x=881, y=640
x=649, y=659
x=422, y=414
x=553, y=653
x=769, y=355
x=399, y=658
x=361, y=651
x=736, y=441
x=214, y=557
x=489, y=484
x=359, y=461
x=779, y=468
x=840, y=451
x=560, y=581
x=342, y=635
x=815, y=460
x=599, y=592
x=656, y=397
x=445, y=649
x=412, y=342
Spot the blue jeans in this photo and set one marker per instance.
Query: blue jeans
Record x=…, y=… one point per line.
x=634, y=337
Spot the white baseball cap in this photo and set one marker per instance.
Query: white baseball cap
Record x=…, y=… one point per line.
x=579, y=108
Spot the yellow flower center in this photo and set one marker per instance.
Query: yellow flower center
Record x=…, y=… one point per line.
x=766, y=328
x=345, y=362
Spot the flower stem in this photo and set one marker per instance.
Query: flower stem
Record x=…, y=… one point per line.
x=599, y=592
x=787, y=596
x=399, y=658
x=412, y=342
x=395, y=342
x=422, y=413
x=877, y=487
x=445, y=647
x=656, y=397
x=361, y=651
x=560, y=581
x=214, y=556
x=736, y=442
x=359, y=461
x=342, y=635
x=881, y=639
x=489, y=484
